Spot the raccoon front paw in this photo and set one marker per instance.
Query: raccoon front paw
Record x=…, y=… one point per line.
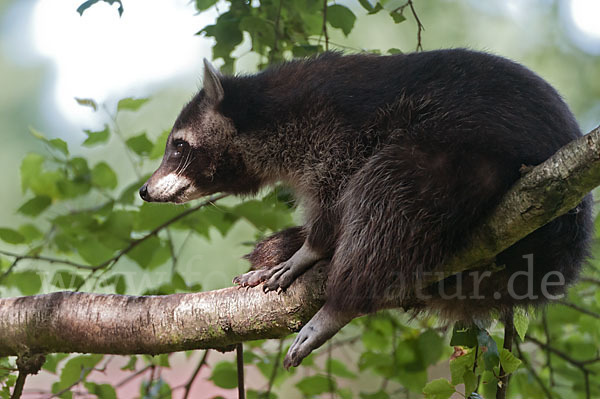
x=252, y=278
x=282, y=276
x=306, y=341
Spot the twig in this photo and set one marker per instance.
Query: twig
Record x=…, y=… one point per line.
x=275, y=48
x=19, y=384
x=509, y=334
x=275, y=369
x=420, y=27
x=10, y=269
x=122, y=252
x=548, y=357
x=132, y=376
x=536, y=377
x=324, y=31
x=580, y=309
x=120, y=136
x=188, y=385
x=581, y=364
x=239, y=351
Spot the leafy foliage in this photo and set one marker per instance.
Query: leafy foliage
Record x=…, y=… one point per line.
x=86, y=227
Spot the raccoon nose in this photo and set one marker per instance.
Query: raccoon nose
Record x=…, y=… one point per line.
x=144, y=192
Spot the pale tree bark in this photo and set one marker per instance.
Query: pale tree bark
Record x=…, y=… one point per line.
x=93, y=323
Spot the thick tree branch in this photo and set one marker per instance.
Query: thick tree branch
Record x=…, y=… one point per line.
x=78, y=322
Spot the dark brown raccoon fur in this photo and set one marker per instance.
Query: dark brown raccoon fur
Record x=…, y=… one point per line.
x=395, y=160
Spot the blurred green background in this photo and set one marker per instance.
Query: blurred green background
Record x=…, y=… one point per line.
x=50, y=55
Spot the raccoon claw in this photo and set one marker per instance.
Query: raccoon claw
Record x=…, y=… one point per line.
x=252, y=278
x=302, y=346
x=282, y=277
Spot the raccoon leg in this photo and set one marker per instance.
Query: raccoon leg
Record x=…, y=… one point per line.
x=282, y=275
x=323, y=325
x=270, y=252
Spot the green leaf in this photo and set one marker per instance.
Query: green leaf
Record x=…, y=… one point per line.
x=150, y=254
x=224, y=375
x=152, y=215
x=439, y=389
x=366, y=5
x=509, y=361
x=521, y=321
x=491, y=356
x=131, y=104
x=118, y=280
x=202, y=5
x=53, y=360
x=306, y=50
x=338, y=369
x=11, y=236
x=140, y=144
x=460, y=365
x=28, y=282
x=130, y=364
x=315, y=385
x=430, y=346
x=31, y=168
x=159, y=145
x=397, y=17
x=266, y=214
x=66, y=280
x=87, y=102
x=30, y=232
x=35, y=206
x=261, y=31
x=60, y=145
x=74, y=369
x=103, y=176
x=374, y=395
x=394, y=50
x=93, y=251
x=470, y=380
x=96, y=137
x=102, y=391
x=341, y=17
x=463, y=335
x=489, y=384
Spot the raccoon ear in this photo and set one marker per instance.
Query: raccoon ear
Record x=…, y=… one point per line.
x=212, y=83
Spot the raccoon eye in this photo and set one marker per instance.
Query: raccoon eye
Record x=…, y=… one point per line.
x=180, y=146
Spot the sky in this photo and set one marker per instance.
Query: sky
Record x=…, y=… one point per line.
x=105, y=57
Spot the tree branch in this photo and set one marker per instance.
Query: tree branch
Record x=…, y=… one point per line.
x=94, y=323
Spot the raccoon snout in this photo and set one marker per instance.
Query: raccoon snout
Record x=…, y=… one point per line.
x=144, y=192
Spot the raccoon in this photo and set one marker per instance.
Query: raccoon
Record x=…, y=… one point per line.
x=395, y=160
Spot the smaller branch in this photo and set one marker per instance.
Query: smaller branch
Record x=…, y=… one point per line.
x=509, y=334
x=132, y=376
x=275, y=48
x=19, y=384
x=325, y=25
x=420, y=27
x=580, y=309
x=586, y=377
x=120, y=136
x=548, y=357
x=10, y=269
x=239, y=351
x=581, y=364
x=120, y=254
x=591, y=280
x=536, y=377
x=276, y=366
x=188, y=385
